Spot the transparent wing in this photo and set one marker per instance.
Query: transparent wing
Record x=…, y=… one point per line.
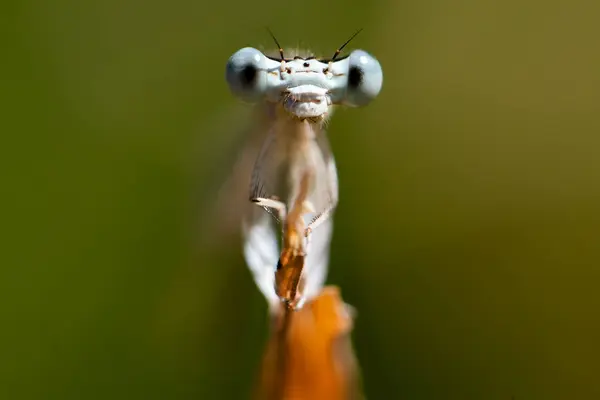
x=261, y=251
x=317, y=260
x=230, y=168
x=270, y=169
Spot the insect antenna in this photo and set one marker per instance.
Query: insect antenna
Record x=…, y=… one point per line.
x=338, y=51
x=277, y=43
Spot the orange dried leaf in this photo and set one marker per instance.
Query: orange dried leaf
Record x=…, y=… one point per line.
x=309, y=354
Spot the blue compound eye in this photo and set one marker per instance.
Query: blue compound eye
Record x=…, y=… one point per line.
x=246, y=74
x=364, y=79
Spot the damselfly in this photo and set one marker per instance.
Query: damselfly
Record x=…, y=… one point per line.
x=294, y=177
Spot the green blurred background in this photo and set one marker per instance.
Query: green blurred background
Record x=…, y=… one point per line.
x=467, y=236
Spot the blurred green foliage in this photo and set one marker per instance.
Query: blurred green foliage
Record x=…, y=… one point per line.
x=467, y=235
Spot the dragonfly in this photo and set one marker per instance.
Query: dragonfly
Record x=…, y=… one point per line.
x=294, y=180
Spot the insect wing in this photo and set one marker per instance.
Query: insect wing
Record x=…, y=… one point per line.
x=261, y=251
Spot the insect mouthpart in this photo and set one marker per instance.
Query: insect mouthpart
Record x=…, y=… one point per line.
x=307, y=101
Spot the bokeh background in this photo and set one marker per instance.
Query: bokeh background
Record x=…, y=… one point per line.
x=467, y=236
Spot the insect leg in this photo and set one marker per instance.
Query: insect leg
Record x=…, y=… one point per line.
x=270, y=204
x=319, y=219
